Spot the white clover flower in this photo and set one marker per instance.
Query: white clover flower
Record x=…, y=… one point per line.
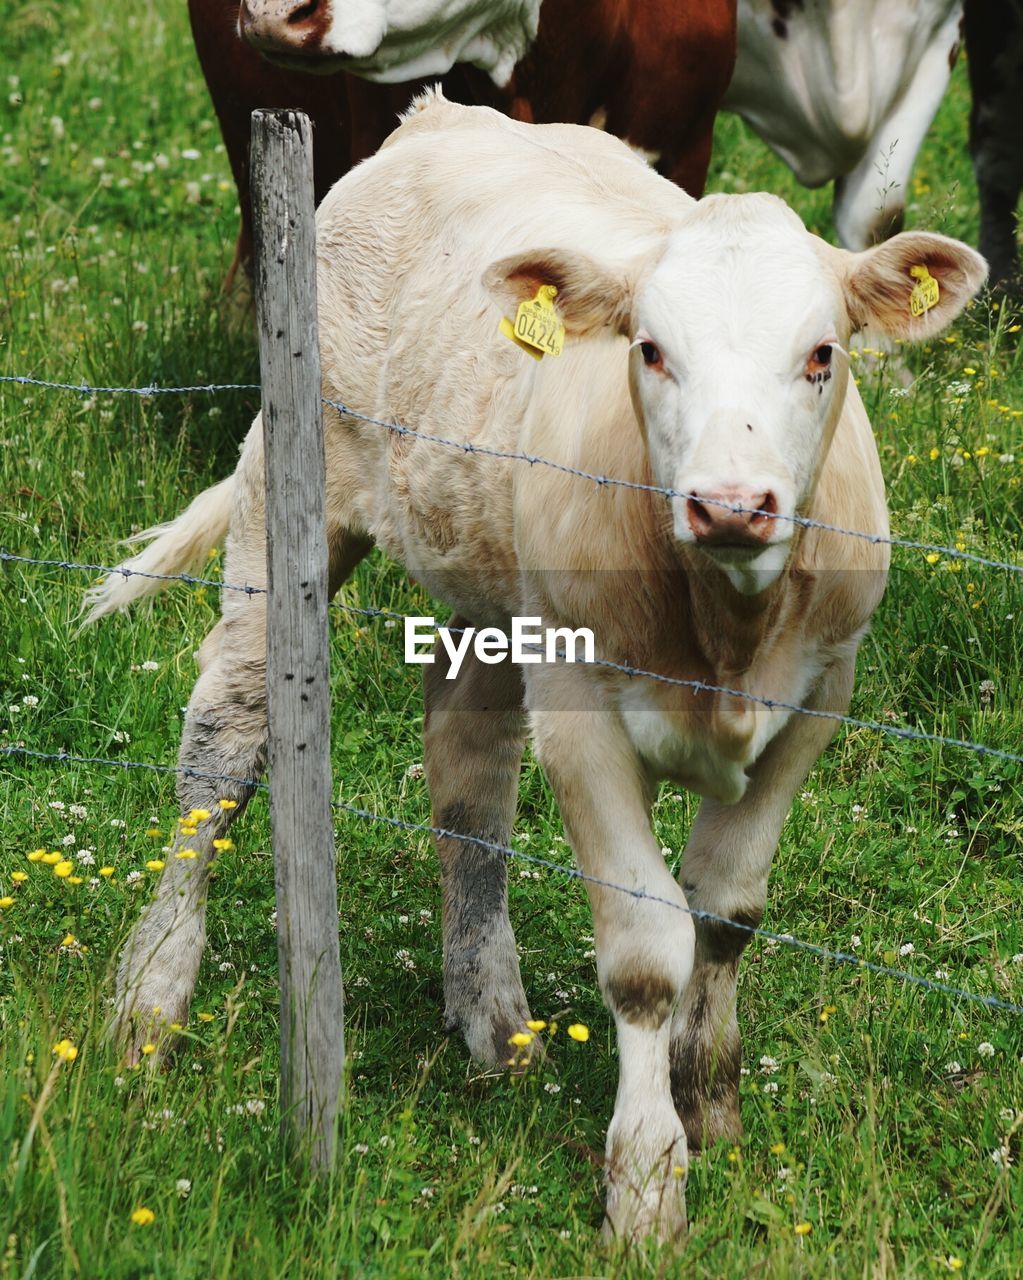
x=986, y=1049
x=182, y=1187
x=906, y=949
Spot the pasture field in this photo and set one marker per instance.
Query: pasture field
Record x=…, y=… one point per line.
x=882, y=1120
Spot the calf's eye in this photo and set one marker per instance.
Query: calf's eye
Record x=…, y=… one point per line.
x=822, y=356
x=651, y=354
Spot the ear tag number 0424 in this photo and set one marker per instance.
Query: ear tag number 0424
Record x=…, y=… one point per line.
x=537, y=328
x=925, y=292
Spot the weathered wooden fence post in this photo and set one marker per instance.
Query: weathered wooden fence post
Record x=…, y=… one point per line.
x=297, y=676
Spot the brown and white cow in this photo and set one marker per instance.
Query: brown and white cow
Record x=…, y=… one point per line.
x=653, y=72
x=842, y=89
x=705, y=353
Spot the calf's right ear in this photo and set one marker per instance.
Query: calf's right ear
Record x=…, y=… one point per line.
x=590, y=296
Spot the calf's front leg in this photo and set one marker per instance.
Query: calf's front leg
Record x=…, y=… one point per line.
x=644, y=956
x=724, y=871
x=473, y=739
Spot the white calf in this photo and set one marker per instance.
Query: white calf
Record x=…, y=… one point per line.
x=705, y=352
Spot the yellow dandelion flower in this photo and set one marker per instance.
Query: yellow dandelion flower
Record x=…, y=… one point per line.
x=228, y=804
x=777, y=1148
x=983, y=451
x=1013, y=328
x=186, y=853
x=153, y=832
x=62, y=869
x=37, y=855
x=932, y=557
x=934, y=454
x=952, y=1262
x=911, y=457
x=148, y=1048
x=223, y=844
x=106, y=872
x=678, y=1170
x=521, y=1039
x=19, y=877
x=74, y=879
x=6, y=902
x=142, y=1216
x=733, y=1156
x=154, y=864
x=177, y=1026
x=65, y=1051
x=51, y=859
x=68, y=940
x=579, y=1032
x=187, y=829
x=536, y=1024
x=802, y=1228
x=197, y=816
x=205, y=1017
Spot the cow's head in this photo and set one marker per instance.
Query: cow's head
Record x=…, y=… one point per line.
x=739, y=326
x=391, y=40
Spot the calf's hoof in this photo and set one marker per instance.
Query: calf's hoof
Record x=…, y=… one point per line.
x=646, y=1198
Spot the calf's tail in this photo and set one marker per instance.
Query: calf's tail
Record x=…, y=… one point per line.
x=174, y=548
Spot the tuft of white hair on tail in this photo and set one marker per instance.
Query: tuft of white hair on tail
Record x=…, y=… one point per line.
x=174, y=548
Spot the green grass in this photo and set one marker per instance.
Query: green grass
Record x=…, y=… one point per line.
x=114, y=238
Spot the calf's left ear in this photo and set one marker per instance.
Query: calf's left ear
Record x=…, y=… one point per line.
x=880, y=284
x=590, y=295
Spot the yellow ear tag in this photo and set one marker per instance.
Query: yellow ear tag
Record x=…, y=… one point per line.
x=537, y=328
x=925, y=294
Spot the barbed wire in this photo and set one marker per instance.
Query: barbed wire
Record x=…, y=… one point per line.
x=903, y=732
x=602, y=481
x=510, y=854
x=146, y=392
x=6, y=557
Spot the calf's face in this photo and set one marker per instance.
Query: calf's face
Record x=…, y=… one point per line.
x=739, y=327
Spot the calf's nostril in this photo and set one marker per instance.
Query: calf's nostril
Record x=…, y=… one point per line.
x=303, y=12
x=700, y=519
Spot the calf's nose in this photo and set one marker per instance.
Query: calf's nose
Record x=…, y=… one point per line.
x=733, y=517
x=280, y=24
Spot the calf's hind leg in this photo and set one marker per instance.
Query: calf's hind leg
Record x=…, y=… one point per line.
x=473, y=739
x=224, y=736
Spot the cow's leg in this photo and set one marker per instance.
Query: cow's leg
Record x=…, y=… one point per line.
x=870, y=201
x=994, y=43
x=724, y=871
x=473, y=739
x=644, y=949
x=224, y=738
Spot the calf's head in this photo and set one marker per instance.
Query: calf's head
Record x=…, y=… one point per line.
x=739, y=326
